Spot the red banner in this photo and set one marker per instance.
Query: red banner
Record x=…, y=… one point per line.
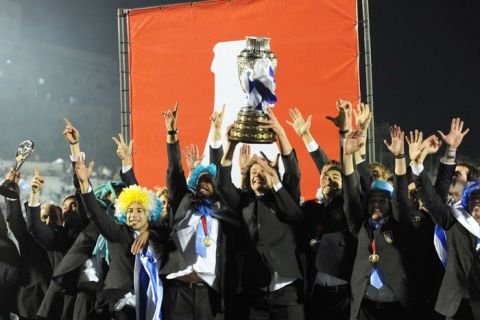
x=187, y=53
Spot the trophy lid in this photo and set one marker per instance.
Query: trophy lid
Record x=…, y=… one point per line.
x=256, y=48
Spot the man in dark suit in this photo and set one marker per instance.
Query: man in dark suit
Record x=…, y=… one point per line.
x=459, y=296
x=379, y=277
x=198, y=264
x=270, y=275
x=9, y=271
x=330, y=247
x=35, y=269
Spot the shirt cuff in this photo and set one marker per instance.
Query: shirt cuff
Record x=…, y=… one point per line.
x=448, y=162
x=126, y=168
x=417, y=168
x=312, y=146
x=75, y=158
x=216, y=144
x=34, y=205
x=277, y=186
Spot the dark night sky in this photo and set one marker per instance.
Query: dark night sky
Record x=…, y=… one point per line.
x=426, y=54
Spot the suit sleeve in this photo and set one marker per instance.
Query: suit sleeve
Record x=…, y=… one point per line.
x=176, y=183
x=226, y=190
x=319, y=157
x=128, y=177
x=3, y=227
x=365, y=175
x=441, y=212
x=16, y=221
x=404, y=205
x=290, y=211
x=444, y=179
x=352, y=204
x=291, y=177
x=111, y=230
x=216, y=155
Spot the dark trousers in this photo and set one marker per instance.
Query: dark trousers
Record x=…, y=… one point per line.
x=372, y=310
x=329, y=303
x=281, y=304
x=425, y=309
x=127, y=313
x=464, y=311
x=184, y=301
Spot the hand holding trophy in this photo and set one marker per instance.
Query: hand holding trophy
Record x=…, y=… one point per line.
x=8, y=188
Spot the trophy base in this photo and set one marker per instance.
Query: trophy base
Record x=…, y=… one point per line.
x=249, y=127
x=9, y=189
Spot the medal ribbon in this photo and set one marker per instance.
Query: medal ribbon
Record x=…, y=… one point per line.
x=204, y=226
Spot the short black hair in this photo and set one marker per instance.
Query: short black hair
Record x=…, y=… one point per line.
x=473, y=173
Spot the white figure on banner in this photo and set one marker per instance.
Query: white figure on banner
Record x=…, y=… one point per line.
x=229, y=92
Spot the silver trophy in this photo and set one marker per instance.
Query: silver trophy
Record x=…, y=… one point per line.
x=8, y=188
x=248, y=126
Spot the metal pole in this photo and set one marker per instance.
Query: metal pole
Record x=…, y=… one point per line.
x=124, y=73
x=368, y=78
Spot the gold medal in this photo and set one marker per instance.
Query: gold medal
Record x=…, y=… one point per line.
x=373, y=258
x=207, y=242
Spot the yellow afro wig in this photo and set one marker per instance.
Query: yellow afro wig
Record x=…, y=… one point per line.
x=131, y=194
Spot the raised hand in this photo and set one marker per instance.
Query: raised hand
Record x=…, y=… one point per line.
x=192, y=156
x=397, y=144
x=244, y=158
x=217, y=118
x=415, y=147
x=362, y=116
x=431, y=144
x=83, y=172
x=171, y=118
x=353, y=143
x=271, y=174
x=272, y=163
x=455, y=136
x=299, y=125
x=13, y=175
x=273, y=123
x=71, y=133
x=124, y=151
x=344, y=118
x=37, y=183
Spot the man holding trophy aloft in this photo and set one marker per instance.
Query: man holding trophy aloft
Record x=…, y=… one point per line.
x=266, y=204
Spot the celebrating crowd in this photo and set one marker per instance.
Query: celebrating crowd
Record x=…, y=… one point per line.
x=375, y=243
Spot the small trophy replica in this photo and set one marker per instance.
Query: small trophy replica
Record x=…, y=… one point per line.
x=256, y=71
x=8, y=188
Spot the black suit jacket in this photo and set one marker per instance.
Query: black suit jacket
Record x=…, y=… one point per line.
x=9, y=269
x=391, y=242
x=35, y=269
x=183, y=203
x=460, y=280
x=119, y=279
x=334, y=249
x=275, y=246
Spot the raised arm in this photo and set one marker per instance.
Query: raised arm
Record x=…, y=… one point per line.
x=124, y=153
x=226, y=190
x=14, y=215
x=46, y=235
x=446, y=168
x=302, y=129
x=397, y=148
x=215, y=148
x=104, y=223
x=291, y=176
x=352, y=204
x=418, y=151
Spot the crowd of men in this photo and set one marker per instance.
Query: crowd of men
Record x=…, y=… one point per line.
x=374, y=244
